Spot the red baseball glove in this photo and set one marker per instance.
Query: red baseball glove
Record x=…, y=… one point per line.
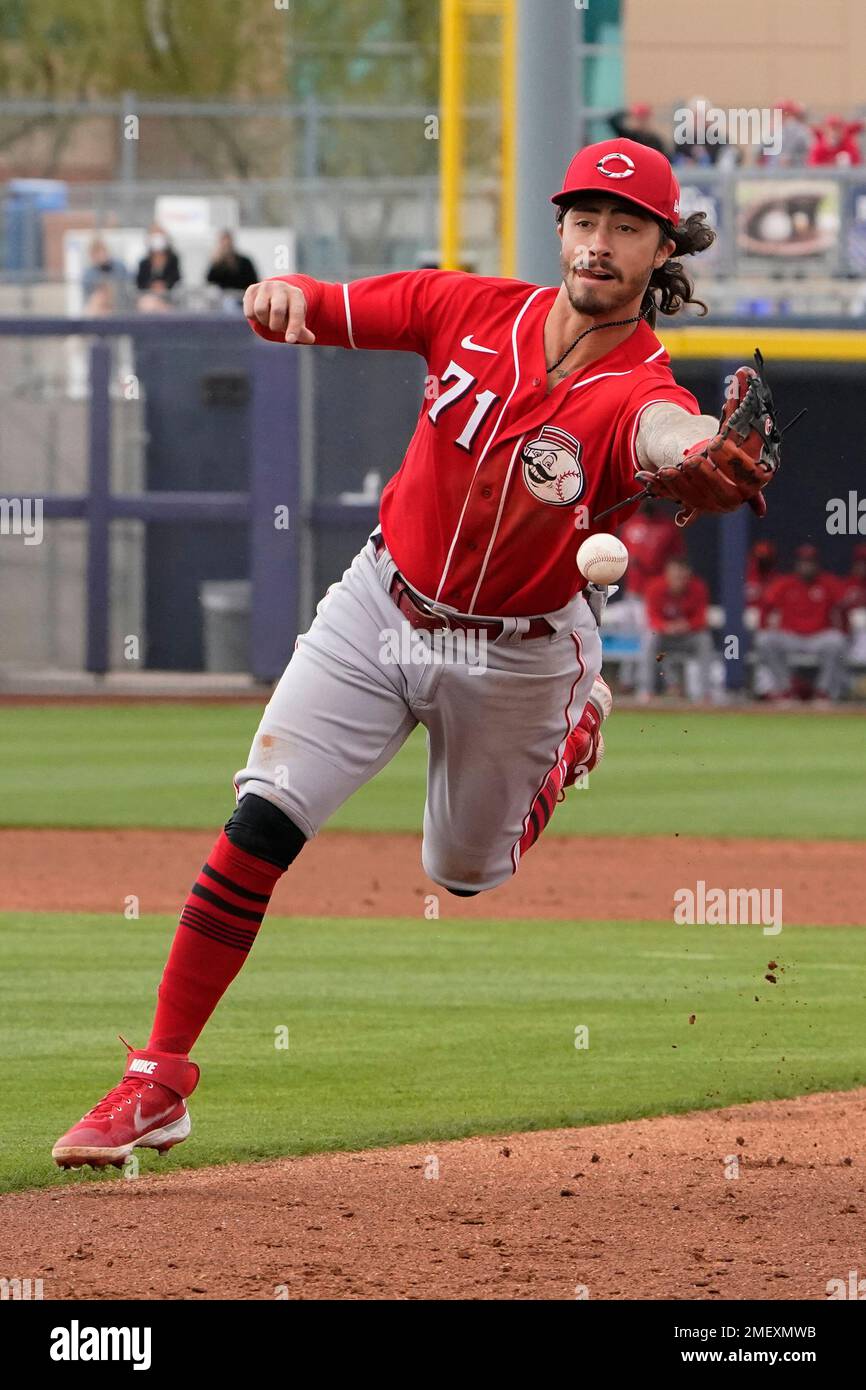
x=721, y=473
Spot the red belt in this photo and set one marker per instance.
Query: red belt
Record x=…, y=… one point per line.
x=420, y=614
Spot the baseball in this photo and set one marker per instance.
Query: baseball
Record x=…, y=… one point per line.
x=602, y=559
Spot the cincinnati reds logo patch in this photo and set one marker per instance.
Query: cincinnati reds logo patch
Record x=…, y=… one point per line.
x=551, y=466
x=623, y=166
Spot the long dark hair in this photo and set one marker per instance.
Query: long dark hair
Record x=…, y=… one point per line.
x=669, y=287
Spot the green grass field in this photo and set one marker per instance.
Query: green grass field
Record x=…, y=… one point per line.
x=426, y=1030
x=423, y=1030
x=693, y=773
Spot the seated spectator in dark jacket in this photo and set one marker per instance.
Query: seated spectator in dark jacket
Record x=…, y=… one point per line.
x=690, y=143
x=636, y=124
x=801, y=618
x=229, y=270
x=158, y=272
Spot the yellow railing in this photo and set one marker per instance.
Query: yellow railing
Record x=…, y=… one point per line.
x=452, y=104
x=812, y=344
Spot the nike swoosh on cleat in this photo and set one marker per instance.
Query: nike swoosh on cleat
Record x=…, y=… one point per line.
x=476, y=347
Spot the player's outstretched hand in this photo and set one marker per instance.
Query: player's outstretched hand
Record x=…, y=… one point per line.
x=719, y=474
x=279, y=307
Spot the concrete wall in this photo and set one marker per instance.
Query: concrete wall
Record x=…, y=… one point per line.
x=746, y=52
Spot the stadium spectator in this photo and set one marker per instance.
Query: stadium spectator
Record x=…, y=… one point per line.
x=761, y=569
x=698, y=140
x=676, y=606
x=636, y=123
x=697, y=151
x=105, y=282
x=796, y=138
x=229, y=270
x=852, y=606
x=835, y=142
x=801, y=621
x=158, y=272
x=652, y=538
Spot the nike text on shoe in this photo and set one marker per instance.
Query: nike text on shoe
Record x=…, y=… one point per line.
x=147, y=1110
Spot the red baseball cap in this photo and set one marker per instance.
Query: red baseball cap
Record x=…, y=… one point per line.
x=627, y=170
x=806, y=551
x=764, y=550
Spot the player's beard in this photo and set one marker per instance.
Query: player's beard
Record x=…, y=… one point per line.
x=606, y=298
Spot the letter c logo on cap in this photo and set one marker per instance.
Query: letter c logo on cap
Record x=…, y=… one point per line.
x=618, y=173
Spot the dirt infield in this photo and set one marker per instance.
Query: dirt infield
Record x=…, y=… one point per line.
x=648, y=1209
x=344, y=874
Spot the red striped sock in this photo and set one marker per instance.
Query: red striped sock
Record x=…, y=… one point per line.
x=218, y=925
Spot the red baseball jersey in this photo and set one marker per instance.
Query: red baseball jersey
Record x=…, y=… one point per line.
x=758, y=582
x=852, y=597
x=803, y=606
x=501, y=479
x=664, y=606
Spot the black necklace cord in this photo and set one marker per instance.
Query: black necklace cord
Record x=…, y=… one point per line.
x=617, y=323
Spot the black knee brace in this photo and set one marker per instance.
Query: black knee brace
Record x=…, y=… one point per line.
x=262, y=829
x=464, y=892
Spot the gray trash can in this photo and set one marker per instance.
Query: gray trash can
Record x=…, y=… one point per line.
x=226, y=605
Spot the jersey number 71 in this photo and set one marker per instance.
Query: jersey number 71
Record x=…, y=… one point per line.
x=463, y=383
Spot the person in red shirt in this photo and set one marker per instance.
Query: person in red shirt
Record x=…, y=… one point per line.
x=852, y=606
x=836, y=143
x=761, y=570
x=853, y=585
x=801, y=617
x=544, y=405
x=651, y=538
x=676, y=605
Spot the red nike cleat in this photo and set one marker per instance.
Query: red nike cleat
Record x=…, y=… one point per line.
x=584, y=748
x=147, y=1110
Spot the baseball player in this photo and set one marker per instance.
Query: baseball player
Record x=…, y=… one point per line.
x=544, y=406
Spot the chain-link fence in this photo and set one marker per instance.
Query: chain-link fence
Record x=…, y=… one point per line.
x=358, y=186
